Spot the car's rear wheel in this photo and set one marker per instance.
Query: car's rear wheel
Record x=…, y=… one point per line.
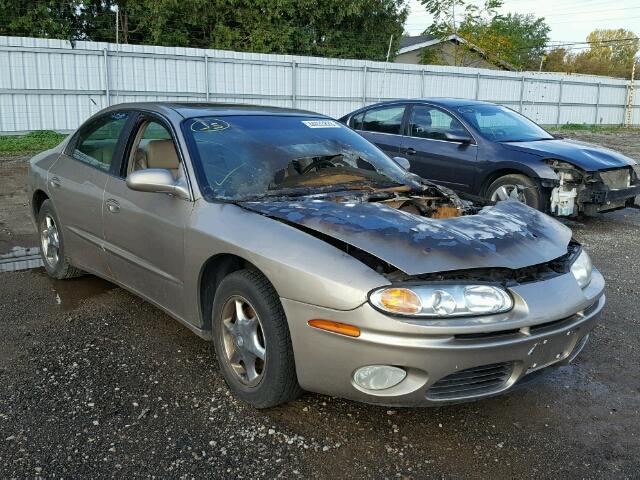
x=252, y=342
x=515, y=187
x=52, y=247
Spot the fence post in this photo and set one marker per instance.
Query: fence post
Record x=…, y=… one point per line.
x=206, y=76
x=422, y=84
x=364, y=86
x=559, y=104
x=293, y=84
x=106, y=76
x=477, y=95
x=595, y=120
x=521, y=92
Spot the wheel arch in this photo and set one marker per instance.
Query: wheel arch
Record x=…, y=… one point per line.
x=211, y=274
x=503, y=170
x=37, y=199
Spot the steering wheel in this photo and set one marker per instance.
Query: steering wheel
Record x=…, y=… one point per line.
x=316, y=164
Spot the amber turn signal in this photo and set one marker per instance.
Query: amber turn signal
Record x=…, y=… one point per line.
x=398, y=300
x=335, y=327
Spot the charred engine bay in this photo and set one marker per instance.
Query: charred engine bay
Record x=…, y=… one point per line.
x=430, y=201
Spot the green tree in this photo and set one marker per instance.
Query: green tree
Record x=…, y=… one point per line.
x=333, y=28
x=460, y=17
x=610, y=53
x=514, y=38
x=517, y=39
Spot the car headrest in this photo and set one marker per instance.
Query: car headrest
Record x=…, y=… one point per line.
x=162, y=154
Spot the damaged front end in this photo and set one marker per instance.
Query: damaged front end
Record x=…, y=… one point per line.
x=581, y=192
x=408, y=234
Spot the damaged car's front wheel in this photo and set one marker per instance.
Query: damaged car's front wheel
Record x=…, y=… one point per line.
x=515, y=187
x=251, y=340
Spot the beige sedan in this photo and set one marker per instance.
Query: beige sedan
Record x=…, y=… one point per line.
x=309, y=258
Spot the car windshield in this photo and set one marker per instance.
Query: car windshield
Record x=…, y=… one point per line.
x=248, y=156
x=501, y=124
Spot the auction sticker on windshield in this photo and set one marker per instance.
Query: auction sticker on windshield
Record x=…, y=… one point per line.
x=208, y=125
x=320, y=124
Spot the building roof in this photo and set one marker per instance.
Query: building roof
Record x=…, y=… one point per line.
x=411, y=41
x=409, y=44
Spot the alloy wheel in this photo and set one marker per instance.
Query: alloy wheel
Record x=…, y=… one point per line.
x=506, y=192
x=243, y=339
x=50, y=241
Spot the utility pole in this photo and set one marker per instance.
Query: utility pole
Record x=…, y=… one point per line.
x=455, y=32
x=384, y=74
x=628, y=116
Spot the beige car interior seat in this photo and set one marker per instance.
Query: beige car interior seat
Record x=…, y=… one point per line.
x=157, y=154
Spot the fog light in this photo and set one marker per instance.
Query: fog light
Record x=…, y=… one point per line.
x=378, y=377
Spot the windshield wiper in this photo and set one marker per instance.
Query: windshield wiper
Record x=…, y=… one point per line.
x=526, y=140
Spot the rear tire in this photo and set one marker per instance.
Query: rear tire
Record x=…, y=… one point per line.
x=252, y=342
x=52, y=246
x=518, y=187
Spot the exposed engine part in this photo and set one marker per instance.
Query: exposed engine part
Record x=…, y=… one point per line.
x=578, y=191
x=432, y=207
x=563, y=197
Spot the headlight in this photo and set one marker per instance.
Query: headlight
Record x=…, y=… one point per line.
x=442, y=300
x=581, y=268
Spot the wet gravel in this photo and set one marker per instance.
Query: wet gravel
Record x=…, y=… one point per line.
x=95, y=382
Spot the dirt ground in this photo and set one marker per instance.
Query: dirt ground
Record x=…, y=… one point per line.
x=95, y=382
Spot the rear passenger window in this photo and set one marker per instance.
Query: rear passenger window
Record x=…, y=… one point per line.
x=383, y=120
x=96, y=145
x=356, y=121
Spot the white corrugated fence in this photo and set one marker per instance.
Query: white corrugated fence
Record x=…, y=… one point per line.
x=50, y=84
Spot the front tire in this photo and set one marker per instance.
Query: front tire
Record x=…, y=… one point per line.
x=517, y=187
x=252, y=342
x=52, y=247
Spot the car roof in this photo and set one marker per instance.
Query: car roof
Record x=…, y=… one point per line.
x=199, y=109
x=441, y=101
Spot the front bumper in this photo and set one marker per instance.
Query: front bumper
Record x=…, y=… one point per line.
x=446, y=362
x=595, y=201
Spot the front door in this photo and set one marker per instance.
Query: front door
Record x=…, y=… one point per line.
x=432, y=156
x=144, y=231
x=76, y=186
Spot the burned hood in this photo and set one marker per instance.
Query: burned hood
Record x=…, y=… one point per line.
x=584, y=155
x=508, y=235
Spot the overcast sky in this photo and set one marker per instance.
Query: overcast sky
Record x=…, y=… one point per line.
x=570, y=20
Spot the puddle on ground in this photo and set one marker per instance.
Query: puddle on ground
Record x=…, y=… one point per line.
x=69, y=293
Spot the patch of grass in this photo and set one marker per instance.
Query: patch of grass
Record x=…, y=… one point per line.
x=580, y=127
x=33, y=142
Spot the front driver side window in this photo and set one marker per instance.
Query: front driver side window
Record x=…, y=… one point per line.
x=96, y=145
x=432, y=123
x=154, y=148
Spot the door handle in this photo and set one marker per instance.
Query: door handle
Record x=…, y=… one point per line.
x=410, y=151
x=113, y=206
x=54, y=182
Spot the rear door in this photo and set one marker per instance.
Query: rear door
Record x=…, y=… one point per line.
x=432, y=156
x=381, y=126
x=76, y=186
x=144, y=231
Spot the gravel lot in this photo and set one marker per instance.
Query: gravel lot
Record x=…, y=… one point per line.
x=95, y=382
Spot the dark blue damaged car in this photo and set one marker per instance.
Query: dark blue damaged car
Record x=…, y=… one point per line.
x=490, y=151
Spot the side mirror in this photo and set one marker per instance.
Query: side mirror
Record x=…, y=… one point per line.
x=458, y=137
x=403, y=162
x=157, y=180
